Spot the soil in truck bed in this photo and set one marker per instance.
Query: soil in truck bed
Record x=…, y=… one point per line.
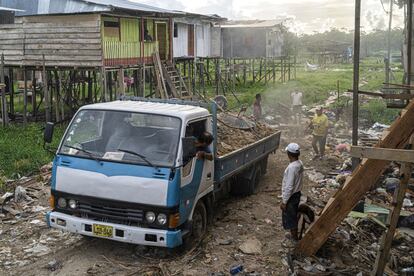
x=231, y=138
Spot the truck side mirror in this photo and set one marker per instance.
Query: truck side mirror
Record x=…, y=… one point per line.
x=189, y=149
x=48, y=133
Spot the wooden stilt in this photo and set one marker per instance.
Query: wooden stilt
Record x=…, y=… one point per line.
x=34, y=96
x=11, y=91
x=4, y=115
x=46, y=92
x=25, y=96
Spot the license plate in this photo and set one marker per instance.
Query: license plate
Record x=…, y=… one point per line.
x=103, y=230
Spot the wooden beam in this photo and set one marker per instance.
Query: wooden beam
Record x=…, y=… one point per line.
x=383, y=154
x=392, y=221
x=386, y=96
x=361, y=181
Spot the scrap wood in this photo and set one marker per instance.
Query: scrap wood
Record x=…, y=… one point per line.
x=363, y=178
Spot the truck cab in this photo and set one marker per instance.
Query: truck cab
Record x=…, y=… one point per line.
x=126, y=171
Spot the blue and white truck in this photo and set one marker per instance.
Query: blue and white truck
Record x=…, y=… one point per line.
x=127, y=171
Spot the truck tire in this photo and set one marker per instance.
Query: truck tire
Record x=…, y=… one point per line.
x=254, y=182
x=264, y=165
x=199, y=221
x=246, y=184
x=197, y=229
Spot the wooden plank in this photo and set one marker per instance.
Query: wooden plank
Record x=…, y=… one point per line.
x=59, y=18
x=62, y=36
x=392, y=221
x=12, y=42
x=11, y=36
x=10, y=26
x=56, y=30
x=61, y=41
x=12, y=58
x=74, y=52
x=61, y=63
x=363, y=178
x=62, y=24
x=85, y=46
x=62, y=58
x=10, y=47
x=12, y=52
x=397, y=155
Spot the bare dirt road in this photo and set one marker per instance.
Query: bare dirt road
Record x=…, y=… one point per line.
x=29, y=247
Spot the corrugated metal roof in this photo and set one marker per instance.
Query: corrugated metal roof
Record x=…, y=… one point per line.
x=9, y=9
x=38, y=7
x=253, y=24
x=129, y=5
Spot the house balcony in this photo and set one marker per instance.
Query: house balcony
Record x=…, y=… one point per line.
x=118, y=53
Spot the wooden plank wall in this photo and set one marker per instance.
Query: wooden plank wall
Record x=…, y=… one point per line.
x=67, y=40
x=11, y=43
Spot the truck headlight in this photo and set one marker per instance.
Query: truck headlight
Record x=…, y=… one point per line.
x=150, y=217
x=73, y=204
x=62, y=202
x=162, y=219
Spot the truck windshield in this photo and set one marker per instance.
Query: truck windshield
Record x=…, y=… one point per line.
x=123, y=137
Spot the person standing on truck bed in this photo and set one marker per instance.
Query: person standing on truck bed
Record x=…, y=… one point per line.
x=257, y=107
x=319, y=124
x=202, y=146
x=291, y=191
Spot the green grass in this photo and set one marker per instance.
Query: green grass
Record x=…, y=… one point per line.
x=22, y=150
x=21, y=147
x=317, y=85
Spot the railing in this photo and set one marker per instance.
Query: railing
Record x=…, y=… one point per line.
x=127, y=53
x=150, y=48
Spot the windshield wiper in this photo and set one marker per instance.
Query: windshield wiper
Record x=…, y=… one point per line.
x=139, y=155
x=89, y=153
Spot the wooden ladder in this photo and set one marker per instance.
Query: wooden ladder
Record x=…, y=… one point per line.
x=160, y=90
x=357, y=185
x=175, y=82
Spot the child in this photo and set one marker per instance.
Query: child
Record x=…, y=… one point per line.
x=202, y=145
x=291, y=191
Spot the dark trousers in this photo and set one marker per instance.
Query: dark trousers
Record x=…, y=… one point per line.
x=290, y=214
x=321, y=140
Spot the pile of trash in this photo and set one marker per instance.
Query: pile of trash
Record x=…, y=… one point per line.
x=353, y=247
x=233, y=138
x=24, y=234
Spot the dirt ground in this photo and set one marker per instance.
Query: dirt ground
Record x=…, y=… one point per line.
x=29, y=247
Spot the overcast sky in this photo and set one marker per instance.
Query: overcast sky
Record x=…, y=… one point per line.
x=308, y=15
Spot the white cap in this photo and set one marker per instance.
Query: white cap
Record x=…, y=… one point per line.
x=293, y=148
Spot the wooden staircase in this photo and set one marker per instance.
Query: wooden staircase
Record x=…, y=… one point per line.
x=174, y=81
x=357, y=185
x=169, y=83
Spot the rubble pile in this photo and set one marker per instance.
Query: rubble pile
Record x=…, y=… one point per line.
x=353, y=247
x=232, y=138
x=24, y=235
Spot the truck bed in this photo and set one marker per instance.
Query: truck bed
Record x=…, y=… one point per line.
x=228, y=165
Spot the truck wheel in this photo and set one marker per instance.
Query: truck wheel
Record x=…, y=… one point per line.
x=264, y=165
x=254, y=182
x=246, y=185
x=199, y=224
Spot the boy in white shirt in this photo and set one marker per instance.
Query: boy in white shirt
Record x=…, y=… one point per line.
x=296, y=98
x=291, y=190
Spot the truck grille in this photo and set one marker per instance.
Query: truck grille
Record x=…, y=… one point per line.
x=111, y=214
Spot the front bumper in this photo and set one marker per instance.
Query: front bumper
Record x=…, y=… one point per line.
x=122, y=233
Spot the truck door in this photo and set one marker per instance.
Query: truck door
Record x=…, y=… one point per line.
x=197, y=175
